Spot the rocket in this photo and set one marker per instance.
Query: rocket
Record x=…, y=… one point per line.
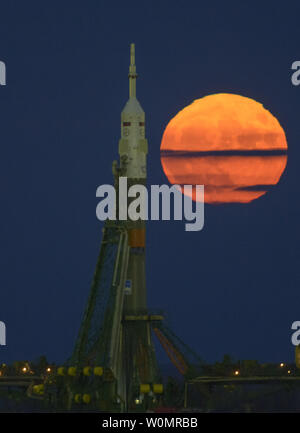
x=116, y=329
x=133, y=148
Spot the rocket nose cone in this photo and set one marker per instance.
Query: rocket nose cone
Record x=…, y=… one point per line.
x=133, y=107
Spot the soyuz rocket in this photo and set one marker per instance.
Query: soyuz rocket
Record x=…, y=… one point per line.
x=133, y=148
x=116, y=331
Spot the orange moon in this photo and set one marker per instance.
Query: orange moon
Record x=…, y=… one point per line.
x=229, y=143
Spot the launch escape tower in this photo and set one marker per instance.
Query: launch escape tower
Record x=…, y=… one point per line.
x=113, y=366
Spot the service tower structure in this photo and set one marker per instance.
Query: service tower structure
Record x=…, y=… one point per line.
x=115, y=333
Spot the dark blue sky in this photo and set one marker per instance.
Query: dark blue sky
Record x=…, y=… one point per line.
x=232, y=288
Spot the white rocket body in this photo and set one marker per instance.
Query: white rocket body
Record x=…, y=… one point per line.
x=133, y=146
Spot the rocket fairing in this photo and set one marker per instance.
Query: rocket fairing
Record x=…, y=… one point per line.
x=133, y=145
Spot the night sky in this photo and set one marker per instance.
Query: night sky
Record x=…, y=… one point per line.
x=233, y=287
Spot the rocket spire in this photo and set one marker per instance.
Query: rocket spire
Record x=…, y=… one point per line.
x=132, y=73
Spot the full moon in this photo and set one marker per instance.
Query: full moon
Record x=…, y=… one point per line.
x=229, y=143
